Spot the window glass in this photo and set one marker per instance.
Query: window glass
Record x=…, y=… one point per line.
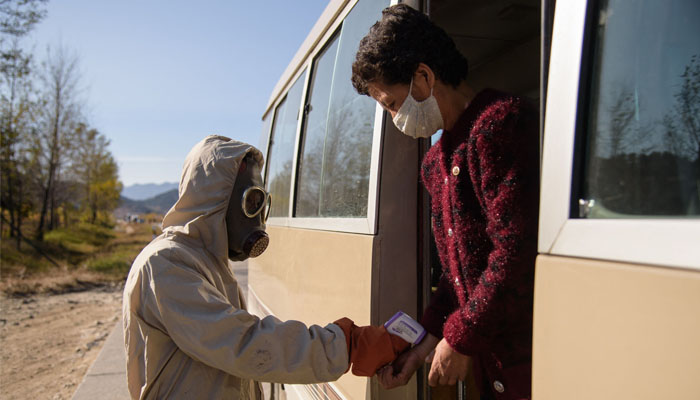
x=643, y=142
x=311, y=161
x=334, y=167
x=281, y=150
x=265, y=135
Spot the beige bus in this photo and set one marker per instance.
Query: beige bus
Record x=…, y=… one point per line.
x=617, y=291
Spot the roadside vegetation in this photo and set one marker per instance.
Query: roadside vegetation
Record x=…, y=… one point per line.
x=74, y=258
x=59, y=183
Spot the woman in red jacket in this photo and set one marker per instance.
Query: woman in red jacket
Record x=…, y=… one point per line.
x=483, y=180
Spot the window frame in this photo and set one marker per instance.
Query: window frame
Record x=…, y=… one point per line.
x=671, y=242
x=361, y=225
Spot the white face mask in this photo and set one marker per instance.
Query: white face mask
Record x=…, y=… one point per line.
x=418, y=119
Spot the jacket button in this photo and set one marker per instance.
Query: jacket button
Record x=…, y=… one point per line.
x=450, y=232
x=455, y=170
x=499, y=386
x=456, y=281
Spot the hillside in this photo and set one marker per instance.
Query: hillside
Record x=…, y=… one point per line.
x=159, y=204
x=146, y=191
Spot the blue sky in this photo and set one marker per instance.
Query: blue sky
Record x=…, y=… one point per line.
x=160, y=75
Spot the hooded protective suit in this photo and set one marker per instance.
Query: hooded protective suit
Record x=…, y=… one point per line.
x=186, y=331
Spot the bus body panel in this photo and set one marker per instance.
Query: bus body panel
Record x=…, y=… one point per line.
x=608, y=330
x=318, y=276
x=617, y=297
x=327, y=272
x=315, y=277
x=319, y=269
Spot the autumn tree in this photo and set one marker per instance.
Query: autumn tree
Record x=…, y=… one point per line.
x=51, y=161
x=95, y=172
x=17, y=19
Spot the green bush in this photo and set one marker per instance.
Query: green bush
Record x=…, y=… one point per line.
x=81, y=238
x=12, y=259
x=94, y=247
x=117, y=263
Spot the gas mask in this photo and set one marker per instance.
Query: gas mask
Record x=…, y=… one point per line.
x=247, y=213
x=418, y=119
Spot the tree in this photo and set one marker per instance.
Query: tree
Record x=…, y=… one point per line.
x=683, y=122
x=96, y=172
x=15, y=106
x=17, y=19
x=59, y=114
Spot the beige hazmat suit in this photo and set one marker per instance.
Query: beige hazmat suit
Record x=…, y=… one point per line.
x=186, y=331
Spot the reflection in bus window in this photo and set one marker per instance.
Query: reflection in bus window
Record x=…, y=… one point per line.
x=334, y=166
x=643, y=141
x=282, y=139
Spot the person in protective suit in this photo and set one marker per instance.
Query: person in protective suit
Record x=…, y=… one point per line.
x=186, y=331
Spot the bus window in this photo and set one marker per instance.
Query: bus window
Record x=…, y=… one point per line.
x=642, y=144
x=281, y=151
x=264, y=138
x=620, y=169
x=334, y=165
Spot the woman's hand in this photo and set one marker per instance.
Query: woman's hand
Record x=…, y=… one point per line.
x=402, y=369
x=448, y=365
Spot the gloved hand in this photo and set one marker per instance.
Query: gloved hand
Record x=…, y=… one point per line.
x=370, y=347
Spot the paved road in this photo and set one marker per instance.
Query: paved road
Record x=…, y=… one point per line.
x=106, y=377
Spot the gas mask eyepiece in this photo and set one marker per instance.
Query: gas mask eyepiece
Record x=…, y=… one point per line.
x=255, y=201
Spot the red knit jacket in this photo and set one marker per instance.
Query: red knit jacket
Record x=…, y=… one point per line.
x=483, y=180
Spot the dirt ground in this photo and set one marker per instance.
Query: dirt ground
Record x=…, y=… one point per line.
x=48, y=341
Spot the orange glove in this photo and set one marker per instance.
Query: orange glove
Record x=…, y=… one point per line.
x=370, y=347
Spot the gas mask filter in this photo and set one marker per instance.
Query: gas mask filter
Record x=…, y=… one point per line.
x=248, y=209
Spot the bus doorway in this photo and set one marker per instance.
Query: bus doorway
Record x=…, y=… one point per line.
x=501, y=40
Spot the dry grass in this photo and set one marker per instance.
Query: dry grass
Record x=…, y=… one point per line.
x=87, y=256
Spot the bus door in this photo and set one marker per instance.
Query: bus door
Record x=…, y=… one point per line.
x=502, y=42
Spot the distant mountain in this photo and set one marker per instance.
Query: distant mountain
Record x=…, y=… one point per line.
x=159, y=204
x=143, y=191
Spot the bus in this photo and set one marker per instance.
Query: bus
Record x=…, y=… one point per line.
x=617, y=286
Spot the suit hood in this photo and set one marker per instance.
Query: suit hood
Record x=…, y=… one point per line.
x=208, y=176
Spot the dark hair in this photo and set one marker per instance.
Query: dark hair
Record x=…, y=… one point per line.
x=398, y=42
